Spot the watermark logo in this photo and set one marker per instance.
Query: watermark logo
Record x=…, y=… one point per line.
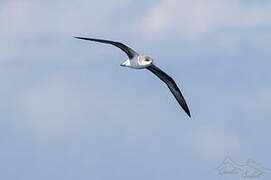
x=250, y=170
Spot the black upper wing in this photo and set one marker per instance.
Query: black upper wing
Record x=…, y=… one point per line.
x=171, y=85
x=129, y=51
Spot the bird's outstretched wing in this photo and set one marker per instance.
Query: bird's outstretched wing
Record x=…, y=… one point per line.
x=171, y=85
x=129, y=51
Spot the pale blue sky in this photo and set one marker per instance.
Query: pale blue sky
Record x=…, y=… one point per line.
x=69, y=111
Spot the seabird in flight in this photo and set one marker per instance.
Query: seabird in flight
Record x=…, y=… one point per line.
x=137, y=61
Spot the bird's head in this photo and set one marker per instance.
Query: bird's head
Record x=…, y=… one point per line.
x=146, y=61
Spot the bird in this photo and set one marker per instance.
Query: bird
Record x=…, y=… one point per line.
x=137, y=61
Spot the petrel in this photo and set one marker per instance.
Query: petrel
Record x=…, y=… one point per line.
x=138, y=61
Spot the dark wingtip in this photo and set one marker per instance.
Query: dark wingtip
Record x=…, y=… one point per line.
x=188, y=112
x=186, y=109
x=77, y=37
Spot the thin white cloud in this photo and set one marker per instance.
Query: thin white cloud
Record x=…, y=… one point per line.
x=196, y=17
x=28, y=18
x=210, y=142
x=53, y=106
x=63, y=103
x=23, y=21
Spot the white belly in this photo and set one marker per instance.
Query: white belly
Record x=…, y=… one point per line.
x=134, y=63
